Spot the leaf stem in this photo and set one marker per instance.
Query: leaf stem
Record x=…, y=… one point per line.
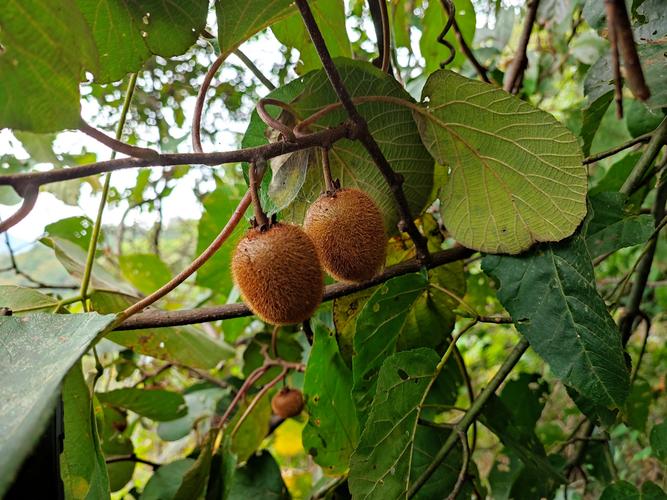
x=471, y=414
x=92, y=246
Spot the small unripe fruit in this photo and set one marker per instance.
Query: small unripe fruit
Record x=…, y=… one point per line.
x=348, y=231
x=287, y=403
x=279, y=274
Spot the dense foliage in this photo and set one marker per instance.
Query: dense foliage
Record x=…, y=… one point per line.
x=513, y=345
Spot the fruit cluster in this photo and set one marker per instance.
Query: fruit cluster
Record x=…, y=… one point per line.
x=279, y=269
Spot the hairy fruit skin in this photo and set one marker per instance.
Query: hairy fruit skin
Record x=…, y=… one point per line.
x=348, y=230
x=279, y=274
x=287, y=403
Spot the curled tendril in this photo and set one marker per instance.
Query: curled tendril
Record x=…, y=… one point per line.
x=451, y=12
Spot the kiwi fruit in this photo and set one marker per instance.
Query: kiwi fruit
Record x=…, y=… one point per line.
x=278, y=273
x=287, y=403
x=348, y=231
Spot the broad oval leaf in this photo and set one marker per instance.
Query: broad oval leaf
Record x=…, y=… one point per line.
x=332, y=431
x=550, y=293
x=165, y=481
x=53, y=342
x=45, y=47
x=515, y=174
x=155, y=404
x=398, y=138
x=383, y=465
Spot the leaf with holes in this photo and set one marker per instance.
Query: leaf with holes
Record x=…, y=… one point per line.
x=551, y=295
x=332, y=431
x=516, y=174
x=389, y=455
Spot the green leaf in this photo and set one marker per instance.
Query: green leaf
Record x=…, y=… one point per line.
x=288, y=348
x=592, y=117
x=651, y=491
x=238, y=21
x=434, y=20
x=258, y=478
x=201, y=407
x=620, y=490
x=637, y=405
x=330, y=17
x=116, y=440
x=44, y=48
x=612, y=227
x=640, y=119
x=659, y=441
x=332, y=431
x=127, y=32
x=516, y=174
x=16, y=297
x=155, y=404
x=403, y=313
x=398, y=138
x=195, y=479
x=147, y=272
x=520, y=438
x=550, y=293
x=53, y=343
x=165, y=481
x=73, y=258
x=183, y=345
x=218, y=207
x=254, y=428
x=75, y=229
x=82, y=465
x=599, y=79
x=382, y=465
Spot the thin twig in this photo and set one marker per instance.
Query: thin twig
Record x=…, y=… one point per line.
x=618, y=23
x=196, y=264
x=643, y=165
x=132, y=458
x=254, y=69
x=615, y=57
x=516, y=69
x=266, y=117
x=470, y=415
x=617, y=149
x=116, y=144
x=30, y=192
x=257, y=399
x=463, y=473
x=467, y=51
x=156, y=318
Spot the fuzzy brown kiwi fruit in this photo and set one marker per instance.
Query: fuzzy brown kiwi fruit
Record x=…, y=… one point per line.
x=279, y=274
x=287, y=403
x=348, y=230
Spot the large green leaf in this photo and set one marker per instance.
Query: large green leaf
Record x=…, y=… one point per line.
x=82, y=466
x=218, y=207
x=16, y=297
x=254, y=428
x=398, y=138
x=659, y=441
x=383, y=464
x=128, y=32
x=622, y=490
x=75, y=229
x=44, y=47
x=183, y=345
x=550, y=293
x=516, y=174
x=599, y=79
x=165, y=481
x=238, y=21
x=155, y=404
x=332, y=431
x=330, y=17
x=612, y=227
x=592, y=117
x=147, y=272
x=53, y=343
x=403, y=313
x=259, y=478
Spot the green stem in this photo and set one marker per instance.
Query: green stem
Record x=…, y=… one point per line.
x=643, y=166
x=92, y=247
x=57, y=306
x=471, y=414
